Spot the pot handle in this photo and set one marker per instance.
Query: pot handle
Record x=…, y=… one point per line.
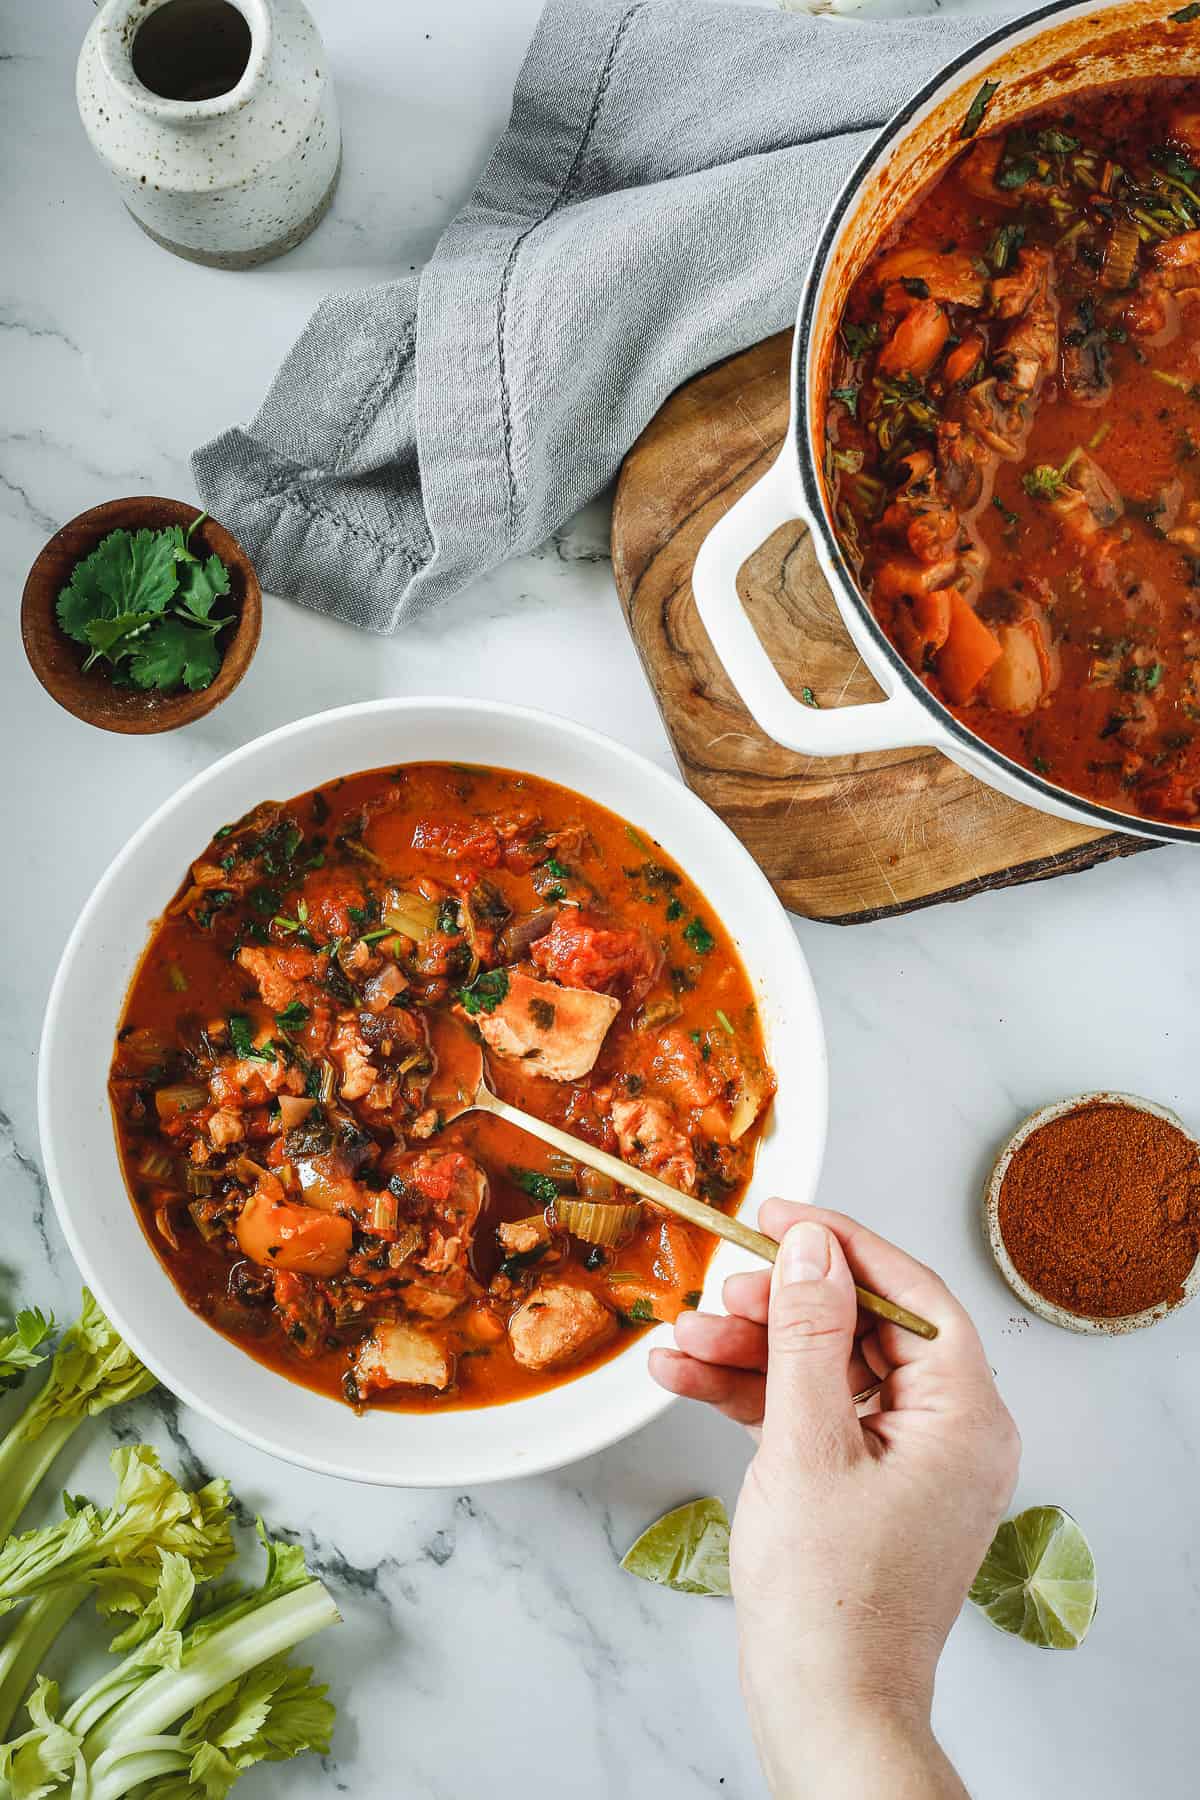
x=899, y=722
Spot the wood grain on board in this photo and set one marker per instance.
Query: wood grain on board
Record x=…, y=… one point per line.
x=846, y=839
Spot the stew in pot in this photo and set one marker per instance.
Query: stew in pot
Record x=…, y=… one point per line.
x=1013, y=447
x=320, y=987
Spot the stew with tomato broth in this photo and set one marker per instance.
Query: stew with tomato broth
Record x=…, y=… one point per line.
x=317, y=991
x=1014, y=443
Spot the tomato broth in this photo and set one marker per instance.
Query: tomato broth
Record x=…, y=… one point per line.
x=1013, y=445
x=311, y=1001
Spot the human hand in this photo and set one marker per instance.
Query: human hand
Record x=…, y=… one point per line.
x=855, y=1539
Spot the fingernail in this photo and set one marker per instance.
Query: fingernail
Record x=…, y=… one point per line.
x=804, y=1254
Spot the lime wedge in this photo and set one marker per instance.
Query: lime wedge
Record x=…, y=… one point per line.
x=687, y=1549
x=1038, y=1580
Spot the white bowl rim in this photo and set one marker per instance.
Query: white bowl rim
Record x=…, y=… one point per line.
x=1118, y=1325
x=653, y=1402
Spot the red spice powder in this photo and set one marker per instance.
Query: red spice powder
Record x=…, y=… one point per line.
x=1100, y=1210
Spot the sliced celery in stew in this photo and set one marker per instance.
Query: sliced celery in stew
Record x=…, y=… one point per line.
x=1013, y=443
x=322, y=980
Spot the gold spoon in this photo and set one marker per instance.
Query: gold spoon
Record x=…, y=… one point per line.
x=685, y=1206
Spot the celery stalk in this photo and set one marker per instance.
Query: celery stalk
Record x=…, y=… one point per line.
x=92, y=1370
x=28, y=1640
x=220, y=1658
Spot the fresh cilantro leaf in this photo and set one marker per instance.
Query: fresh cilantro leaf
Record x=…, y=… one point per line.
x=1142, y=680
x=214, y=900
x=858, y=339
x=201, y=585
x=642, y=1312
x=848, y=397
x=675, y=910
x=136, y=570
x=1171, y=163
x=242, y=1039
x=485, y=993
x=143, y=602
x=173, y=654
x=553, y=867
x=104, y=634
x=1056, y=143
x=1015, y=174
x=542, y=1188
x=293, y=1016
x=82, y=600
x=977, y=108
x=699, y=937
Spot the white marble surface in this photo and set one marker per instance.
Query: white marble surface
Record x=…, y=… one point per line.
x=491, y=1643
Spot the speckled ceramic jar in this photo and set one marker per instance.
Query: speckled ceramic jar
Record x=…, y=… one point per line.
x=232, y=155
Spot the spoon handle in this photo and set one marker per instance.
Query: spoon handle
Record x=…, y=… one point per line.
x=685, y=1206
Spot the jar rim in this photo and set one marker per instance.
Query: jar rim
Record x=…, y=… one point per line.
x=119, y=25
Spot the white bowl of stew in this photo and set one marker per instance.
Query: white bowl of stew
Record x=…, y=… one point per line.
x=237, y=1022
x=994, y=427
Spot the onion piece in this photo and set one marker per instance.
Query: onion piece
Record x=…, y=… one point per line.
x=593, y=1185
x=411, y=915
x=246, y=1169
x=143, y=1045
x=596, y=1221
x=180, y=1097
x=156, y=1164
x=658, y=1012
x=524, y=930
x=294, y=1109
x=747, y=1107
x=164, y=1222
x=383, y=988
x=210, y=1229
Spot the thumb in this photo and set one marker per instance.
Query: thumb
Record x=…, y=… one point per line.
x=809, y=1412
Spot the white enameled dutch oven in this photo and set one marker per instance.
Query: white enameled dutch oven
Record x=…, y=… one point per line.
x=1038, y=61
x=401, y=1449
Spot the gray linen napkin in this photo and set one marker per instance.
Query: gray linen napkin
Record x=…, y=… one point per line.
x=650, y=209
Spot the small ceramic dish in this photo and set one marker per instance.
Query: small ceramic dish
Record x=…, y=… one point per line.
x=1029, y=1296
x=57, y=661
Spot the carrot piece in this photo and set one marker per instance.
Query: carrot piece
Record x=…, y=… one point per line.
x=917, y=341
x=931, y=616
x=969, y=652
x=963, y=358
x=922, y=627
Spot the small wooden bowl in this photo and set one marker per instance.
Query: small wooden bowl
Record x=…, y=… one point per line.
x=58, y=662
x=1029, y=1296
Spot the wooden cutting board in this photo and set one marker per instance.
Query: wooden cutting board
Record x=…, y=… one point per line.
x=845, y=839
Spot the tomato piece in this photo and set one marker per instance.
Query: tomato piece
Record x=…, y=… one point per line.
x=579, y=953
x=455, y=839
